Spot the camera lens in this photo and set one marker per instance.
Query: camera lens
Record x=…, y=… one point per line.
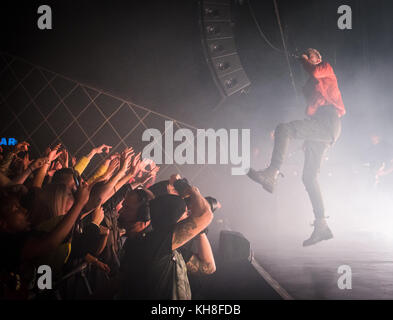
x=213, y=203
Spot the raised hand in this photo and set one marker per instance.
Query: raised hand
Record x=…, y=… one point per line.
x=114, y=156
x=154, y=171
x=125, y=161
x=147, y=163
x=22, y=147
x=103, y=148
x=147, y=176
x=54, y=153
x=82, y=194
x=190, y=191
x=129, y=150
x=113, y=165
x=38, y=163
x=135, y=165
x=63, y=158
x=173, y=178
x=26, y=161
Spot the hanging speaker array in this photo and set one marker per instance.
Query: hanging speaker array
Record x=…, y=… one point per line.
x=220, y=47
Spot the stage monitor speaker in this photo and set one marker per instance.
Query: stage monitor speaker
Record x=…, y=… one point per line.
x=220, y=47
x=234, y=246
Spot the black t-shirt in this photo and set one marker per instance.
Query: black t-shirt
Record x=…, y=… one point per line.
x=87, y=242
x=148, y=266
x=186, y=251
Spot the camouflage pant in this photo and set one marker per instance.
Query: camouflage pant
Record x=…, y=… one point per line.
x=319, y=132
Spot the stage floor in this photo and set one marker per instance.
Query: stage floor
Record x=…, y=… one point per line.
x=312, y=273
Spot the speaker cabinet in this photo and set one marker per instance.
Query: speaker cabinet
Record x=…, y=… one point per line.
x=220, y=47
x=234, y=247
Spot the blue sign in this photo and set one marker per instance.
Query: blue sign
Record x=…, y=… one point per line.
x=8, y=142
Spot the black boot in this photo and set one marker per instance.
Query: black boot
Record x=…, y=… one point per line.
x=267, y=178
x=321, y=232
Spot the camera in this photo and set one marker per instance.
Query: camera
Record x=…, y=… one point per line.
x=212, y=202
x=181, y=185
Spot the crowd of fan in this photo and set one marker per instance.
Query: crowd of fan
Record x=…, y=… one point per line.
x=116, y=234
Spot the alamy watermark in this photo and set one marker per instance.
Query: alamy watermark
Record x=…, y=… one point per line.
x=344, y=282
x=222, y=147
x=44, y=281
x=345, y=20
x=44, y=21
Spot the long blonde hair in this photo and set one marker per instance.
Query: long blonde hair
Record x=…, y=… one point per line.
x=57, y=197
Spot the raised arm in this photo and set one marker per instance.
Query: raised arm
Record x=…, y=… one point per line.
x=203, y=261
x=109, y=188
x=9, y=157
x=6, y=162
x=40, y=176
x=100, y=173
x=39, y=246
x=85, y=160
x=138, y=176
x=105, y=191
x=200, y=217
x=20, y=179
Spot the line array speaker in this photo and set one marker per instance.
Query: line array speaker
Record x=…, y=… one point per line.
x=220, y=47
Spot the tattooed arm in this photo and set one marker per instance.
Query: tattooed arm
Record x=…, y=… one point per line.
x=200, y=217
x=202, y=262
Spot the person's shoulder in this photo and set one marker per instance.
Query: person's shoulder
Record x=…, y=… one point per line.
x=160, y=234
x=160, y=239
x=325, y=65
x=326, y=69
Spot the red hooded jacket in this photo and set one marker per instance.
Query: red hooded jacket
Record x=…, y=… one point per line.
x=322, y=88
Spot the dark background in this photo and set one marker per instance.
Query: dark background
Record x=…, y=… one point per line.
x=150, y=53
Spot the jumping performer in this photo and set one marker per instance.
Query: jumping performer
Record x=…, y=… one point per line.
x=320, y=130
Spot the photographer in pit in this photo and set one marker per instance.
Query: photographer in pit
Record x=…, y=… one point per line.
x=152, y=267
x=197, y=253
